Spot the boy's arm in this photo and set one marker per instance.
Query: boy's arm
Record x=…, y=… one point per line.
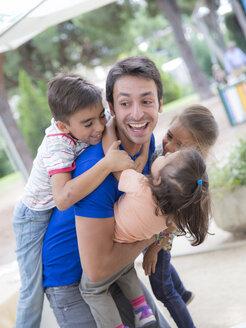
x=67, y=191
x=142, y=159
x=100, y=256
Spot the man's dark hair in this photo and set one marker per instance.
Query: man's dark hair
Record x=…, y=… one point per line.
x=140, y=66
x=68, y=93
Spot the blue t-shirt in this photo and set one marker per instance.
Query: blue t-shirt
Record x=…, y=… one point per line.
x=61, y=262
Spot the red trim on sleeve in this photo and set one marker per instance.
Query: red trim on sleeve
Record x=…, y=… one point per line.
x=62, y=134
x=63, y=170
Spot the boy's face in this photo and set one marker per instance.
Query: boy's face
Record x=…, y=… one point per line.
x=87, y=124
x=136, y=108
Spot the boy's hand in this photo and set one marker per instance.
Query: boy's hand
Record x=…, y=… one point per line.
x=149, y=262
x=118, y=160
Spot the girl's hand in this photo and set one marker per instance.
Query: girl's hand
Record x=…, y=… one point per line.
x=149, y=262
x=118, y=160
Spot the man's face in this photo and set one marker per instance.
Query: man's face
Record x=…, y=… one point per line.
x=136, y=108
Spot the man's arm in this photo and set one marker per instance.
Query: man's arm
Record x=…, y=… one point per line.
x=100, y=256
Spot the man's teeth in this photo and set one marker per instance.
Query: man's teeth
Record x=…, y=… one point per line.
x=137, y=126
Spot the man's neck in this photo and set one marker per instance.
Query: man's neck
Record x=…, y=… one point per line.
x=130, y=147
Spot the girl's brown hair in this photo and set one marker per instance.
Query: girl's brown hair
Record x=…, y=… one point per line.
x=200, y=122
x=183, y=194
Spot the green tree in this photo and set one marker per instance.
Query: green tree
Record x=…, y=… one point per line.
x=234, y=31
x=34, y=111
x=5, y=165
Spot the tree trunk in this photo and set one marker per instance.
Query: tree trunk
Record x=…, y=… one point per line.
x=17, y=148
x=200, y=83
x=212, y=22
x=240, y=15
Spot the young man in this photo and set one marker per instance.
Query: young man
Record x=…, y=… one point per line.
x=134, y=94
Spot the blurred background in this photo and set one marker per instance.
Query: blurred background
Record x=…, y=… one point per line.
x=189, y=41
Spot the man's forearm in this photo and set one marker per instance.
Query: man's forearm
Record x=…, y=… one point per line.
x=100, y=256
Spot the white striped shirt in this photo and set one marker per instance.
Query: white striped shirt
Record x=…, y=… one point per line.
x=56, y=154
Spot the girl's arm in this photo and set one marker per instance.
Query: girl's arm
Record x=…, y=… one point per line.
x=150, y=257
x=68, y=191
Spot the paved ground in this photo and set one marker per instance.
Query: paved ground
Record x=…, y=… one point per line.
x=215, y=271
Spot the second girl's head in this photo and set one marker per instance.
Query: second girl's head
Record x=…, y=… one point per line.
x=179, y=184
x=195, y=127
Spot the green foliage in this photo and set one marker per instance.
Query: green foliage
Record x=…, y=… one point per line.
x=234, y=31
x=34, y=111
x=5, y=165
x=171, y=91
x=202, y=54
x=232, y=174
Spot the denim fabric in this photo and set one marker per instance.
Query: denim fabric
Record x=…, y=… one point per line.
x=30, y=227
x=168, y=288
x=102, y=305
x=71, y=311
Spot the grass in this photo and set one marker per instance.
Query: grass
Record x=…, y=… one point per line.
x=181, y=103
x=8, y=180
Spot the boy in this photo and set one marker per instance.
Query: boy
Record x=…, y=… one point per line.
x=78, y=121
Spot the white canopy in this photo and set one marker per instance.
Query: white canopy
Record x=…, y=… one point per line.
x=21, y=20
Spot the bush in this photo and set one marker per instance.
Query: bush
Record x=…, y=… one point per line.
x=232, y=174
x=5, y=165
x=34, y=111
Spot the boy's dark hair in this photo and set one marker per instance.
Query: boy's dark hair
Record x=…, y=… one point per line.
x=183, y=194
x=68, y=93
x=140, y=66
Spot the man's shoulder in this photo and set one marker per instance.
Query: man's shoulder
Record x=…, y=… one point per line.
x=89, y=157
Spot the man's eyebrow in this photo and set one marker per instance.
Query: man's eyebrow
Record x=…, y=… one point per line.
x=147, y=93
x=123, y=94
x=91, y=118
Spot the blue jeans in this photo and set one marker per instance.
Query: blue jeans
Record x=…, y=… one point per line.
x=168, y=288
x=71, y=311
x=29, y=228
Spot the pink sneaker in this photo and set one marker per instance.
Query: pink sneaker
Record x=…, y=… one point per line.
x=144, y=316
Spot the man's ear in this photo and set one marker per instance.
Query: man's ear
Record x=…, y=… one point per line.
x=157, y=181
x=160, y=106
x=111, y=107
x=63, y=127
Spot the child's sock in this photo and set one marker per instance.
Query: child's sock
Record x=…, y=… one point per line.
x=138, y=302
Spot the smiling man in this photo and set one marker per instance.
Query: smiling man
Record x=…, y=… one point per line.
x=134, y=94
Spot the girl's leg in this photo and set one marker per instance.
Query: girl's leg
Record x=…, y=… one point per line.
x=186, y=295
x=29, y=228
x=131, y=288
x=100, y=301
x=164, y=290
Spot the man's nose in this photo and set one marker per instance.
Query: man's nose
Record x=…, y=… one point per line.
x=137, y=112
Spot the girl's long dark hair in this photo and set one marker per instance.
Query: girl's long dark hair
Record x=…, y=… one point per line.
x=183, y=194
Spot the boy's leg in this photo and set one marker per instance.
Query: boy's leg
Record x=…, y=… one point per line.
x=102, y=305
x=29, y=228
x=163, y=288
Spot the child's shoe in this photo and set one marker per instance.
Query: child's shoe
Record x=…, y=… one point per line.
x=187, y=297
x=144, y=316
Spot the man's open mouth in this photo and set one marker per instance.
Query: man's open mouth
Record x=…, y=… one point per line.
x=138, y=126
